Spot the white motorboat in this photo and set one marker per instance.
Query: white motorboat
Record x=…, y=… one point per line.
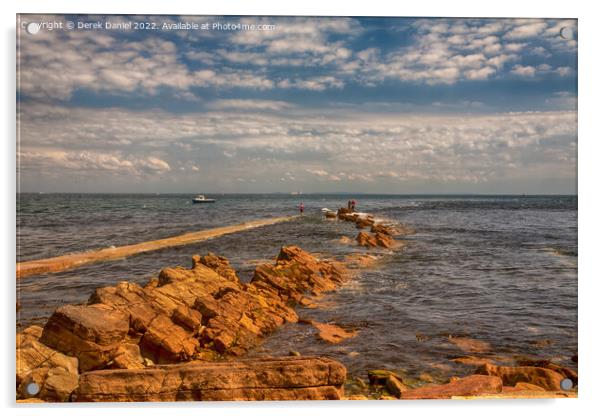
x=199, y=199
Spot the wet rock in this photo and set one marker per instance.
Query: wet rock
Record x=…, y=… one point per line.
x=375, y=240
x=332, y=333
x=363, y=222
x=426, y=377
x=379, y=377
x=345, y=240
x=380, y=228
x=330, y=214
x=361, y=260
x=90, y=333
x=395, y=386
x=472, y=360
x=366, y=240
x=539, y=376
x=384, y=240
x=470, y=345
x=291, y=378
x=467, y=386
x=565, y=371
x=294, y=353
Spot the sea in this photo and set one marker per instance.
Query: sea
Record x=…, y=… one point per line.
x=501, y=269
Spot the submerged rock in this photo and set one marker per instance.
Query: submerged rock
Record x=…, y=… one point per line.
x=467, y=386
x=380, y=377
x=289, y=378
x=332, y=333
x=470, y=345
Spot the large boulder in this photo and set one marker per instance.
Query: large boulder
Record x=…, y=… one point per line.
x=90, y=333
x=289, y=378
x=539, y=376
x=474, y=385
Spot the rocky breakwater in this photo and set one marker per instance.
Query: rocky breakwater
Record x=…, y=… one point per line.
x=380, y=234
x=163, y=341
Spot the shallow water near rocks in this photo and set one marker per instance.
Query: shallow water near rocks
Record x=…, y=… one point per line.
x=498, y=269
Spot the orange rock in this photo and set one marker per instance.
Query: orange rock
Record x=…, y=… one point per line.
x=366, y=240
x=127, y=356
x=187, y=317
x=167, y=342
x=469, y=344
x=219, y=264
x=526, y=386
x=362, y=222
x=361, y=260
x=90, y=333
x=332, y=333
x=565, y=371
x=375, y=240
x=55, y=373
x=385, y=240
x=543, y=377
x=379, y=228
x=288, y=378
x=467, y=386
x=470, y=360
x=55, y=384
x=189, y=314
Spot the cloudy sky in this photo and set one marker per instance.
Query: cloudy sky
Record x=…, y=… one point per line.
x=391, y=105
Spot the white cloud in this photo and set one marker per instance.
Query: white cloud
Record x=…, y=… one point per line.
x=90, y=163
x=300, y=144
x=440, y=52
x=527, y=29
x=248, y=104
x=527, y=71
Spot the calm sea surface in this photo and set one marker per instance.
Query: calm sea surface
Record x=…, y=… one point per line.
x=502, y=269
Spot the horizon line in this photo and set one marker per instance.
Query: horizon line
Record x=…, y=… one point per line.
x=299, y=194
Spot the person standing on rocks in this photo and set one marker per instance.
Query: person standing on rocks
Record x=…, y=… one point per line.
x=301, y=208
x=353, y=205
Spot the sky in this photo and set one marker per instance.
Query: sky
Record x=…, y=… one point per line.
x=370, y=105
